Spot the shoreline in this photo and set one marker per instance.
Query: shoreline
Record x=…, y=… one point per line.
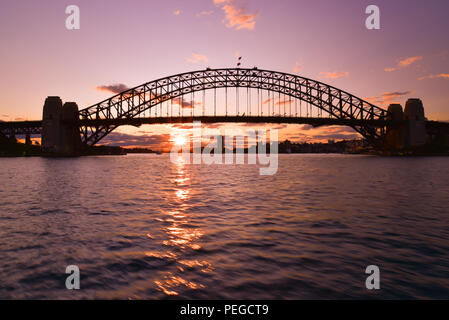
x=15, y=150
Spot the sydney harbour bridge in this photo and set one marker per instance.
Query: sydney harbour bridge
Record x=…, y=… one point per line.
x=258, y=96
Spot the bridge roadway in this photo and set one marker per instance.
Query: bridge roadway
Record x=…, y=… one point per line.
x=35, y=127
x=235, y=119
x=9, y=128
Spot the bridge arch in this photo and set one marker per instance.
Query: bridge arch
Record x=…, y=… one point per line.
x=129, y=104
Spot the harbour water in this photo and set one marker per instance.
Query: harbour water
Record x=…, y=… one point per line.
x=142, y=227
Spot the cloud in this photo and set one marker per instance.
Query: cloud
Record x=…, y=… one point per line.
x=308, y=133
x=156, y=141
x=145, y=132
x=236, y=17
x=162, y=141
x=324, y=133
x=182, y=126
x=281, y=126
x=197, y=58
x=333, y=75
x=177, y=12
x=404, y=63
x=212, y=125
x=307, y=127
x=408, y=61
x=189, y=126
x=284, y=102
x=184, y=103
x=394, y=95
x=251, y=124
x=297, y=67
x=337, y=129
x=435, y=76
x=387, y=98
x=114, y=88
x=204, y=13
x=267, y=101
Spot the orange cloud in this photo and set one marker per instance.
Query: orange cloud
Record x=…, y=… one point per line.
x=267, y=101
x=236, y=17
x=310, y=134
x=197, y=58
x=155, y=141
x=435, y=76
x=297, y=67
x=408, y=61
x=333, y=75
x=404, y=63
x=387, y=98
x=177, y=12
x=114, y=88
x=286, y=102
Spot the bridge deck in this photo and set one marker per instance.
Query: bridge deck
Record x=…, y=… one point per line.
x=35, y=127
x=235, y=119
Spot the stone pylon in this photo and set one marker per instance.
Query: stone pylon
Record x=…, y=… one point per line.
x=412, y=133
x=60, y=133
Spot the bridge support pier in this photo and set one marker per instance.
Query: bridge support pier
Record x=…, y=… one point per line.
x=414, y=114
x=396, y=134
x=60, y=134
x=411, y=135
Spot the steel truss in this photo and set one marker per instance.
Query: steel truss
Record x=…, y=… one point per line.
x=336, y=103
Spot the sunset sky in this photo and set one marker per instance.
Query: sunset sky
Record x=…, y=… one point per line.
x=126, y=43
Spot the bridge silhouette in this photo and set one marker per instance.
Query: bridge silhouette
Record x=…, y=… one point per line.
x=64, y=127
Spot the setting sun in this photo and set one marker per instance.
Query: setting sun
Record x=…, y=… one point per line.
x=179, y=141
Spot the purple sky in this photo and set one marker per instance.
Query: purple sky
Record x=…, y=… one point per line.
x=135, y=41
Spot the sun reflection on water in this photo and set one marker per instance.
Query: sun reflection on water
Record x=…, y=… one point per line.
x=180, y=239
x=171, y=281
x=182, y=194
